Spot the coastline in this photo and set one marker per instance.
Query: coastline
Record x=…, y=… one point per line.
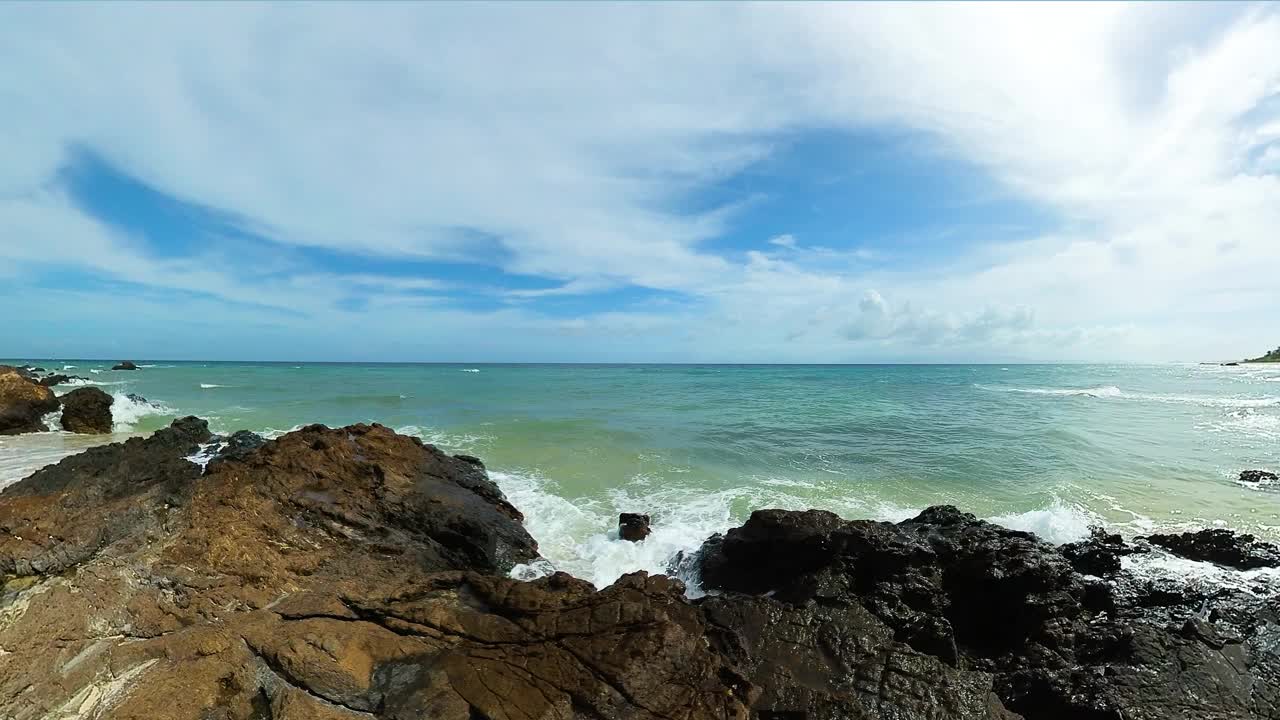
x=356, y=572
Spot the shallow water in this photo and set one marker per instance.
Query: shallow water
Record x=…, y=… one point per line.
x=1049, y=448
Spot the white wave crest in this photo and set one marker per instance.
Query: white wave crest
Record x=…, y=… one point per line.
x=456, y=442
x=95, y=371
x=1094, y=392
x=471, y=370
x=127, y=412
x=580, y=535
x=1204, y=576
x=68, y=367
x=1059, y=523
x=1111, y=391
x=208, y=386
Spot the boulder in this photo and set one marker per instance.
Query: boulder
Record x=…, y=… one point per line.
x=86, y=410
x=633, y=527
x=1223, y=547
x=1258, y=476
x=23, y=402
x=125, y=365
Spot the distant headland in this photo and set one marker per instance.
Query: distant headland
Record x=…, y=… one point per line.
x=1273, y=356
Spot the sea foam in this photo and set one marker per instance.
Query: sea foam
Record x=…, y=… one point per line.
x=127, y=412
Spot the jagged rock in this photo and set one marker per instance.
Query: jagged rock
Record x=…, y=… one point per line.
x=237, y=445
x=1223, y=547
x=86, y=410
x=23, y=402
x=325, y=574
x=355, y=573
x=978, y=597
x=633, y=527
x=125, y=365
x=1257, y=476
x=1099, y=555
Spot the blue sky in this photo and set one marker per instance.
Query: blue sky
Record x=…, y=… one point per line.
x=695, y=183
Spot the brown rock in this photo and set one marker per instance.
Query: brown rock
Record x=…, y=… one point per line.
x=23, y=402
x=633, y=527
x=86, y=410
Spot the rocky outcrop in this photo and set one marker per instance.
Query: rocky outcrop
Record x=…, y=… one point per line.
x=633, y=527
x=981, y=599
x=86, y=410
x=125, y=365
x=23, y=402
x=1223, y=547
x=356, y=573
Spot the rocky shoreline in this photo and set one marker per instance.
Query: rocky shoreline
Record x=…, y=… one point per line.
x=357, y=573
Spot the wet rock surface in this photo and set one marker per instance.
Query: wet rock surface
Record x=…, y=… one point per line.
x=86, y=410
x=633, y=527
x=1258, y=476
x=356, y=573
x=982, y=599
x=1223, y=547
x=23, y=402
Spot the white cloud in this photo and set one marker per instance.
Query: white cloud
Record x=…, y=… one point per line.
x=565, y=138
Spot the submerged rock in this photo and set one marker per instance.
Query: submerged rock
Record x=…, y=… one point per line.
x=86, y=410
x=57, y=379
x=633, y=527
x=1258, y=476
x=125, y=365
x=23, y=402
x=1223, y=547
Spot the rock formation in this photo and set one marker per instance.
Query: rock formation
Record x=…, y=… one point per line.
x=1257, y=476
x=354, y=573
x=633, y=527
x=23, y=402
x=86, y=410
x=125, y=365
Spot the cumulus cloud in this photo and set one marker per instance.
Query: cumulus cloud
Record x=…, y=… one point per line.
x=563, y=142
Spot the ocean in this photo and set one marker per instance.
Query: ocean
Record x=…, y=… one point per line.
x=1047, y=448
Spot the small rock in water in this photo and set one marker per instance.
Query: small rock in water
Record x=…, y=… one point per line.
x=1256, y=476
x=125, y=365
x=633, y=527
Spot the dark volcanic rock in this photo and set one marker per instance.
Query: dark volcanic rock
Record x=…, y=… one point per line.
x=125, y=365
x=1257, y=476
x=1224, y=547
x=1098, y=555
x=633, y=527
x=236, y=446
x=23, y=402
x=980, y=598
x=58, y=379
x=86, y=410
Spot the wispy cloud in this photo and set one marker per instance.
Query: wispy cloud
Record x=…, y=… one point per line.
x=568, y=142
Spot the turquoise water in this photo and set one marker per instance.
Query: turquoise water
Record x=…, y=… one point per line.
x=1050, y=448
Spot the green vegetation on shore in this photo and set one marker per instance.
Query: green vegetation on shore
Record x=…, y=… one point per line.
x=1273, y=356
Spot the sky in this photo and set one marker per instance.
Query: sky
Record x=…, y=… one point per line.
x=669, y=182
